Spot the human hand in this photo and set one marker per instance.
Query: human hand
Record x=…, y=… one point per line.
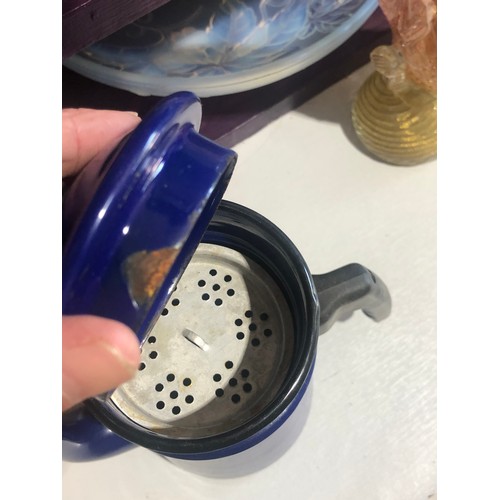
x=98, y=354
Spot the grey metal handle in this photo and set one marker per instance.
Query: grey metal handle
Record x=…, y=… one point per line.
x=352, y=287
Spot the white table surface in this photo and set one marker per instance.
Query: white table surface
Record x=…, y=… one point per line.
x=371, y=430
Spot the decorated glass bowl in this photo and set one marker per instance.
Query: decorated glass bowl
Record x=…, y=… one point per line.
x=219, y=47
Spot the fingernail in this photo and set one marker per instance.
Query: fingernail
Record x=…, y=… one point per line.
x=71, y=393
x=95, y=367
x=126, y=357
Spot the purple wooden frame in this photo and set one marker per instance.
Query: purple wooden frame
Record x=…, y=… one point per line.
x=88, y=21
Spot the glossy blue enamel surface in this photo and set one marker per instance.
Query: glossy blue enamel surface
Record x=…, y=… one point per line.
x=156, y=193
x=85, y=438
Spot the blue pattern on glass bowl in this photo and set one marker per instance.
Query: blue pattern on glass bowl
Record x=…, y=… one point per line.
x=218, y=47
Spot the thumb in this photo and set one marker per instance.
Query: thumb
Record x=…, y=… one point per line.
x=98, y=354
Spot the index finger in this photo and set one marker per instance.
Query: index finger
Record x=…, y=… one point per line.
x=86, y=133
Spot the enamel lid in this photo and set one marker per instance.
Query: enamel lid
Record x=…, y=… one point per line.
x=131, y=225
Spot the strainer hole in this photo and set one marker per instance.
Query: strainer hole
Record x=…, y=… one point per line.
x=176, y=302
x=252, y=327
x=176, y=410
x=235, y=398
x=217, y=377
x=240, y=335
x=152, y=340
x=216, y=287
x=142, y=366
x=233, y=382
x=213, y=272
x=202, y=283
x=219, y=393
x=227, y=278
x=218, y=302
x=238, y=322
x=160, y=405
x=228, y=364
x=164, y=312
x=153, y=354
x=264, y=316
x=205, y=296
x=159, y=387
x=245, y=373
x=255, y=342
x=230, y=292
x=187, y=382
x=248, y=314
x=189, y=399
x=170, y=377
x=247, y=387
x=174, y=395
x=268, y=332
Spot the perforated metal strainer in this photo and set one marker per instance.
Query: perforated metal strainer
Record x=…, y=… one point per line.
x=218, y=353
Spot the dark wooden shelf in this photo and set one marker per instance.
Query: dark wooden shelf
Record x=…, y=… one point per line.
x=87, y=21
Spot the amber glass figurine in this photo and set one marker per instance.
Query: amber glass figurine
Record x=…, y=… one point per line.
x=395, y=111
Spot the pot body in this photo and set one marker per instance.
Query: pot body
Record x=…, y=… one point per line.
x=250, y=234
x=146, y=210
x=313, y=303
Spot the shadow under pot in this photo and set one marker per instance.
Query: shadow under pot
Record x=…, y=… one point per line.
x=228, y=347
